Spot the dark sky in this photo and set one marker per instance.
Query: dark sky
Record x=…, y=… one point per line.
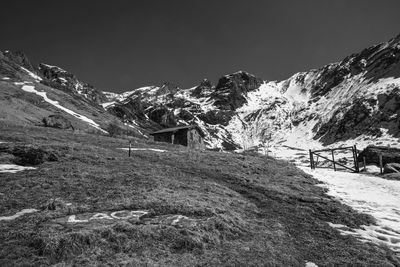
x=121, y=45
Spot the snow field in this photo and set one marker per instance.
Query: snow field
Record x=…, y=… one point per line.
x=367, y=194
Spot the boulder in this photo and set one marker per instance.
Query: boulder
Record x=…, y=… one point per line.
x=57, y=121
x=392, y=168
x=392, y=176
x=371, y=154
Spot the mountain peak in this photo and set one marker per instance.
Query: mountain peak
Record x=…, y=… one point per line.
x=51, y=72
x=232, y=88
x=19, y=58
x=239, y=73
x=203, y=89
x=47, y=66
x=206, y=83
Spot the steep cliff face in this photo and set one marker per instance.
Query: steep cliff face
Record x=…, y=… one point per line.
x=230, y=92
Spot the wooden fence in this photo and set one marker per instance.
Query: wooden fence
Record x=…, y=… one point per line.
x=317, y=154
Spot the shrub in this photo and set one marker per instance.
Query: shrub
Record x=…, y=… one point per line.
x=113, y=129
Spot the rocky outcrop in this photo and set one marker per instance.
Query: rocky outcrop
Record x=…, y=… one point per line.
x=204, y=89
x=132, y=110
x=61, y=79
x=392, y=168
x=163, y=116
x=215, y=117
x=20, y=59
x=364, y=116
x=371, y=154
x=57, y=121
x=11, y=63
x=231, y=90
x=357, y=120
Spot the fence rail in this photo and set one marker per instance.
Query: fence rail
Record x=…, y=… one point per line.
x=314, y=164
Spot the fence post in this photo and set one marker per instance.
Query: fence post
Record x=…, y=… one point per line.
x=130, y=146
x=380, y=163
x=356, y=165
x=333, y=159
x=311, y=159
x=365, y=164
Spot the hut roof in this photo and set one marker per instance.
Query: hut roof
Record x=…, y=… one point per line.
x=175, y=129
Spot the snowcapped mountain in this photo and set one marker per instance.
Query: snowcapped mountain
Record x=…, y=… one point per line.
x=354, y=100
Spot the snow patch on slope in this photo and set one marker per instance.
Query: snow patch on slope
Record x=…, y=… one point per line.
x=114, y=97
x=108, y=104
x=31, y=89
x=205, y=103
x=33, y=75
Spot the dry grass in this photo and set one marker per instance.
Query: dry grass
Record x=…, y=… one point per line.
x=249, y=210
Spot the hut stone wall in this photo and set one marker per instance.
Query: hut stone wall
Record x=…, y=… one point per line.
x=195, y=140
x=190, y=137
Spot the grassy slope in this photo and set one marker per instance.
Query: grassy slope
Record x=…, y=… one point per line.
x=249, y=210
x=23, y=108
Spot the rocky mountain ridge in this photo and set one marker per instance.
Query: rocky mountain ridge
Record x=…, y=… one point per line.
x=356, y=98
x=34, y=95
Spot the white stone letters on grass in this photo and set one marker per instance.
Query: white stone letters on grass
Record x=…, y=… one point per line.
x=72, y=219
x=18, y=214
x=116, y=215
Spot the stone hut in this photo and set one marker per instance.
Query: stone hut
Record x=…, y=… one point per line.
x=191, y=136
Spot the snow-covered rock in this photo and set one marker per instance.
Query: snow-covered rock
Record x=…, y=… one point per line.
x=356, y=98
